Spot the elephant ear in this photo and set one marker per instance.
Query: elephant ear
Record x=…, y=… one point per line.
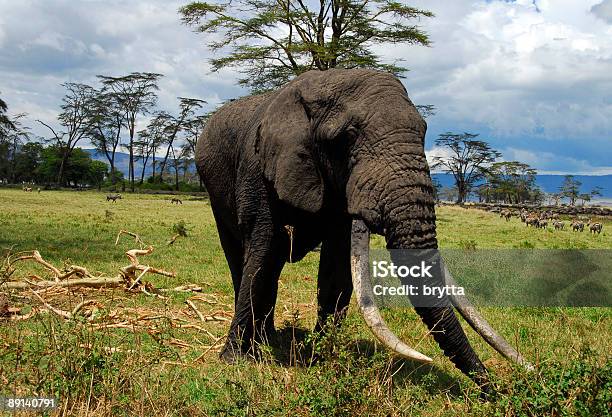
x=285, y=146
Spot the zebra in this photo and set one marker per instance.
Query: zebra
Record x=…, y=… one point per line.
x=559, y=225
x=577, y=226
x=595, y=228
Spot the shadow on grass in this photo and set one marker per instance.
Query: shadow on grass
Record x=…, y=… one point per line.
x=294, y=346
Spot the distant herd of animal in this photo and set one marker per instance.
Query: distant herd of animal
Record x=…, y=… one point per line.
x=115, y=197
x=539, y=219
x=542, y=219
x=109, y=197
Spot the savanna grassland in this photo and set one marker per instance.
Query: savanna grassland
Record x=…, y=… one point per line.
x=162, y=358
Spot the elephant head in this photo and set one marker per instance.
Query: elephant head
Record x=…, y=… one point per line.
x=352, y=141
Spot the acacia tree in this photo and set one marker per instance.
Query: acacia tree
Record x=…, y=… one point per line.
x=596, y=191
x=511, y=181
x=106, y=116
x=152, y=138
x=136, y=94
x=6, y=125
x=14, y=137
x=468, y=161
x=74, y=119
x=176, y=124
x=193, y=129
x=271, y=41
x=570, y=188
x=5, y=122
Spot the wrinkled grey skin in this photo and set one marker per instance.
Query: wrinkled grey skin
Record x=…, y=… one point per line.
x=324, y=149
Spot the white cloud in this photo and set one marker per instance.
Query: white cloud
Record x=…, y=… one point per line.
x=519, y=70
x=75, y=41
x=527, y=76
x=437, y=151
x=549, y=162
x=603, y=10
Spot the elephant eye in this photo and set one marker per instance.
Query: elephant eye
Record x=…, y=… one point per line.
x=351, y=133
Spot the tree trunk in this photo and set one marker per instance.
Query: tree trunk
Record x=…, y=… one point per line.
x=113, y=174
x=132, y=163
x=62, y=167
x=144, y=167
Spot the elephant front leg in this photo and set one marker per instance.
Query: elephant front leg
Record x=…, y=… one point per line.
x=334, y=282
x=254, y=307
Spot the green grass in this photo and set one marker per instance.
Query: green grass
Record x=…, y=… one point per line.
x=149, y=374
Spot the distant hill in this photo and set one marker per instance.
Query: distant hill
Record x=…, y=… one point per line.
x=122, y=162
x=548, y=183
x=551, y=183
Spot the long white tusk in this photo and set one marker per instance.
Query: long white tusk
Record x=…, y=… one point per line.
x=360, y=269
x=482, y=327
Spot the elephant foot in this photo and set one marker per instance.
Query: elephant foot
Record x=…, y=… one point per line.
x=236, y=348
x=485, y=385
x=267, y=333
x=232, y=353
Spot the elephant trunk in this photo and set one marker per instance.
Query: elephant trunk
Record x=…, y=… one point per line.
x=440, y=319
x=414, y=237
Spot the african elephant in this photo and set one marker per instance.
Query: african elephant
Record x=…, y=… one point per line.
x=328, y=153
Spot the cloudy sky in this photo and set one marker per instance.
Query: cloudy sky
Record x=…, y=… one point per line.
x=533, y=77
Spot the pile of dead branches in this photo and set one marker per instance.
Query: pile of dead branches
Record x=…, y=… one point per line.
x=53, y=292
x=129, y=276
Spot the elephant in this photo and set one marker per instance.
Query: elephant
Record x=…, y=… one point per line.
x=326, y=159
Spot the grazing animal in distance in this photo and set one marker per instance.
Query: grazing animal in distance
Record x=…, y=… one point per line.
x=27, y=189
x=113, y=197
x=176, y=200
x=559, y=225
x=38, y=189
x=532, y=221
x=542, y=223
x=577, y=226
x=595, y=228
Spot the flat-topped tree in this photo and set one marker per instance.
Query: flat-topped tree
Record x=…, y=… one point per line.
x=511, y=181
x=136, y=94
x=12, y=155
x=106, y=115
x=5, y=121
x=10, y=137
x=271, y=41
x=468, y=160
x=193, y=129
x=570, y=189
x=150, y=140
x=74, y=120
x=187, y=109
